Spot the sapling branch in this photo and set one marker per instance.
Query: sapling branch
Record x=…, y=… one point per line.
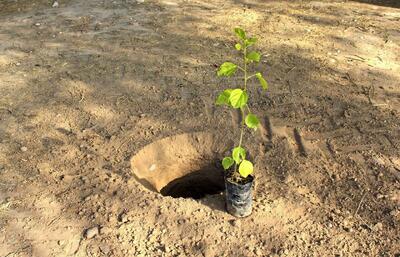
x=249, y=77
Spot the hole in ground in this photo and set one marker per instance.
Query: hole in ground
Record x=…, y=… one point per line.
x=184, y=165
x=197, y=184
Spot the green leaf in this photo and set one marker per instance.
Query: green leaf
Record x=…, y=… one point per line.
x=227, y=69
x=238, y=154
x=223, y=98
x=252, y=121
x=263, y=83
x=240, y=33
x=227, y=162
x=250, y=41
x=246, y=168
x=253, y=56
x=238, y=98
x=238, y=47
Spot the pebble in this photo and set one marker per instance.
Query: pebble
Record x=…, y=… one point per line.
x=24, y=149
x=105, y=230
x=378, y=226
x=348, y=229
x=55, y=4
x=258, y=252
x=337, y=211
x=123, y=217
x=91, y=232
x=104, y=249
x=236, y=223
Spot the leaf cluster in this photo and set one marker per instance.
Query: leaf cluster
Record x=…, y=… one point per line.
x=238, y=98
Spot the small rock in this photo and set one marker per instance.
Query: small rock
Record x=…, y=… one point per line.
x=348, y=229
x=37, y=24
x=378, y=226
x=236, y=223
x=105, y=230
x=55, y=4
x=258, y=252
x=24, y=149
x=140, y=1
x=380, y=196
x=152, y=167
x=123, y=217
x=91, y=232
x=104, y=249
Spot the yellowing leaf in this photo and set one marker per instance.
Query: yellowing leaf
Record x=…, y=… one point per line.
x=240, y=33
x=238, y=98
x=252, y=121
x=227, y=69
x=250, y=41
x=238, y=47
x=238, y=154
x=245, y=168
x=223, y=98
x=253, y=56
x=263, y=83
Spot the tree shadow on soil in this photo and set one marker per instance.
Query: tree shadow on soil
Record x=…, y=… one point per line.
x=386, y=3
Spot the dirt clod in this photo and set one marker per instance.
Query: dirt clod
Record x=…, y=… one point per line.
x=236, y=223
x=91, y=232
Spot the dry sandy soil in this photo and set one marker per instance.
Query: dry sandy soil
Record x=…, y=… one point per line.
x=85, y=86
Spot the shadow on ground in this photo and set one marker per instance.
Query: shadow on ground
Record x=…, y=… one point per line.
x=85, y=100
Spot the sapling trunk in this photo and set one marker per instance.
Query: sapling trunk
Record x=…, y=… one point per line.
x=242, y=123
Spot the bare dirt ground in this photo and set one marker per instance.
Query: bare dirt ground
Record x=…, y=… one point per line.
x=83, y=87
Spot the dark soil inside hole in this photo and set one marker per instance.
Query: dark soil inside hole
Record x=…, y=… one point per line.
x=197, y=184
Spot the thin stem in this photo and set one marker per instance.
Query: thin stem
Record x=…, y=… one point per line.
x=245, y=68
x=249, y=77
x=241, y=132
x=245, y=87
x=242, y=126
x=248, y=108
